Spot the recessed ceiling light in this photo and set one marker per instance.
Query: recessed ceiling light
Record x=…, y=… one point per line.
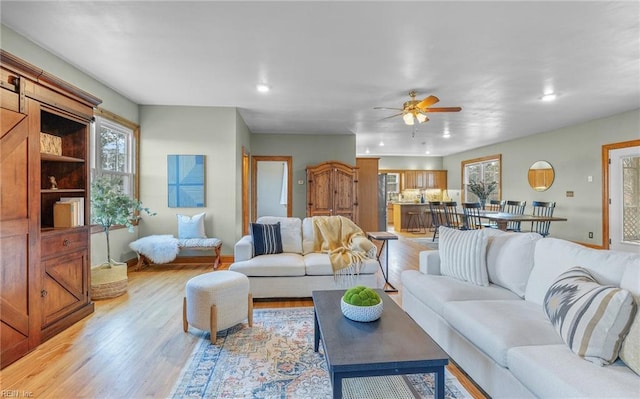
x=263, y=87
x=381, y=143
x=446, y=135
x=366, y=151
x=427, y=152
x=549, y=96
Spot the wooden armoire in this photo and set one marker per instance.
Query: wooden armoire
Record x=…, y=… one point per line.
x=332, y=190
x=45, y=270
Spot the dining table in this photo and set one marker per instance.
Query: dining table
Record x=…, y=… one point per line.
x=503, y=218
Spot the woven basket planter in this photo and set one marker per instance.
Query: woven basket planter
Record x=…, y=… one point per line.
x=108, y=280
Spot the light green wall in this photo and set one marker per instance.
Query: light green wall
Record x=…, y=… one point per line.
x=305, y=150
x=210, y=131
x=410, y=163
x=23, y=48
x=111, y=100
x=575, y=154
x=573, y=151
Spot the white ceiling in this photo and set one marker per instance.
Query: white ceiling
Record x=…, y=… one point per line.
x=330, y=63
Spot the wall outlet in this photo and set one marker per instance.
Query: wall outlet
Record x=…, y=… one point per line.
x=591, y=234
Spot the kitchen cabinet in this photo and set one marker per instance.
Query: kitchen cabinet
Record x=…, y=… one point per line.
x=424, y=179
x=45, y=269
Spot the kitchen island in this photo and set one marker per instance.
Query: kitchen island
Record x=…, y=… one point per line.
x=401, y=216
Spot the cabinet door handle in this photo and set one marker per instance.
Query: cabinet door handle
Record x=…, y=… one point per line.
x=66, y=242
x=43, y=293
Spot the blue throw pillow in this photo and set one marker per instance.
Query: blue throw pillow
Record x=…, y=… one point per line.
x=266, y=239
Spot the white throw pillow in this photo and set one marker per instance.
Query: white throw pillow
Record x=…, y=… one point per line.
x=592, y=319
x=290, y=231
x=630, y=350
x=463, y=255
x=510, y=260
x=191, y=226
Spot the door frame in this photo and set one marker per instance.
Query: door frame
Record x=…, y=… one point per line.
x=606, y=148
x=254, y=183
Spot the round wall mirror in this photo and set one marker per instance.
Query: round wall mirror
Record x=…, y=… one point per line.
x=541, y=175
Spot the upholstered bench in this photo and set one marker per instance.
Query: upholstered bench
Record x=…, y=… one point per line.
x=216, y=301
x=165, y=248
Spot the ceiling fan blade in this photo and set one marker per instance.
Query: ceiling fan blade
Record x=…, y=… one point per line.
x=427, y=102
x=395, y=109
x=392, y=116
x=443, y=109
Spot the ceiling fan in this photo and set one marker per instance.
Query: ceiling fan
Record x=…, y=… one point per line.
x=416, y=109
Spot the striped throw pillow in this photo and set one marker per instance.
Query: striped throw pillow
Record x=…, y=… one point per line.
x=267, y=239
x=592, y=319
x=463, y=255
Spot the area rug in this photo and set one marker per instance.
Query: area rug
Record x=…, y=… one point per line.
x=275, y=359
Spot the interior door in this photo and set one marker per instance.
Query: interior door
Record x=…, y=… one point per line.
x=271, y=190
x=271, y=193
x=624, y=199
x=16, y=321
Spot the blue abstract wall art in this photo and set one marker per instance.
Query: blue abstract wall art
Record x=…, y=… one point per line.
x=185, y=181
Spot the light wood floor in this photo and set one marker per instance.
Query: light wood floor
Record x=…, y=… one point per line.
x=133, y=346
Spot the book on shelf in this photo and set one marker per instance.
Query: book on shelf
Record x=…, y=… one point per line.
x=79, y=209
x=68, y=212
x=64, y=213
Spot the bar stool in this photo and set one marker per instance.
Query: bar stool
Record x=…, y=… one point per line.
x=415, y=219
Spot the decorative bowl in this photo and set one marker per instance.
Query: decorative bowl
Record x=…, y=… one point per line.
x=361, y=313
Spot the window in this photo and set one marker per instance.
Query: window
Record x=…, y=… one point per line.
x=113, y=150
x=481, y=170
x=631, y=199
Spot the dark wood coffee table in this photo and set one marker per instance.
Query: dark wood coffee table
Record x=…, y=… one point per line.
x=391, y=345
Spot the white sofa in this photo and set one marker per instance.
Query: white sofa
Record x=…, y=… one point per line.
x=297, y=271
x=500, y=335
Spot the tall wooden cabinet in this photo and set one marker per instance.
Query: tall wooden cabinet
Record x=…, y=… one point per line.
x=368, y=205
x=45, y=270
x=332, y=190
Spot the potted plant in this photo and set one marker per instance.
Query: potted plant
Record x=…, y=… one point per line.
x=482, y=190
x=361, y=303
x=110, y=206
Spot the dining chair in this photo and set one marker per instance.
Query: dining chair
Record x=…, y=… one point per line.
x=517, y=208
x=472, y=219
x=542, y=209
x=437, y=217
x=452, y=219
x=494, y=206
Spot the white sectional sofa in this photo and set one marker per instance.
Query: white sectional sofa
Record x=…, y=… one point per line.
x=297, y=271
x=500, y=334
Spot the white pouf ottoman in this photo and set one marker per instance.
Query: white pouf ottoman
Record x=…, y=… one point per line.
x=216, y=301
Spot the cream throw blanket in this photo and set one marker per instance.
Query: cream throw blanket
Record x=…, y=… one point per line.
x=344, y=241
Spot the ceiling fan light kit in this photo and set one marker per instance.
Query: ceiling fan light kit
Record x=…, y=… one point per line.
x=408, y=118
x=415, y=109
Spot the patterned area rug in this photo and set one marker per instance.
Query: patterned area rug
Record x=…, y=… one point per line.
x=275, y=359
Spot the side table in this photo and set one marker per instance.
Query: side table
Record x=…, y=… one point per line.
x=384, y=236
